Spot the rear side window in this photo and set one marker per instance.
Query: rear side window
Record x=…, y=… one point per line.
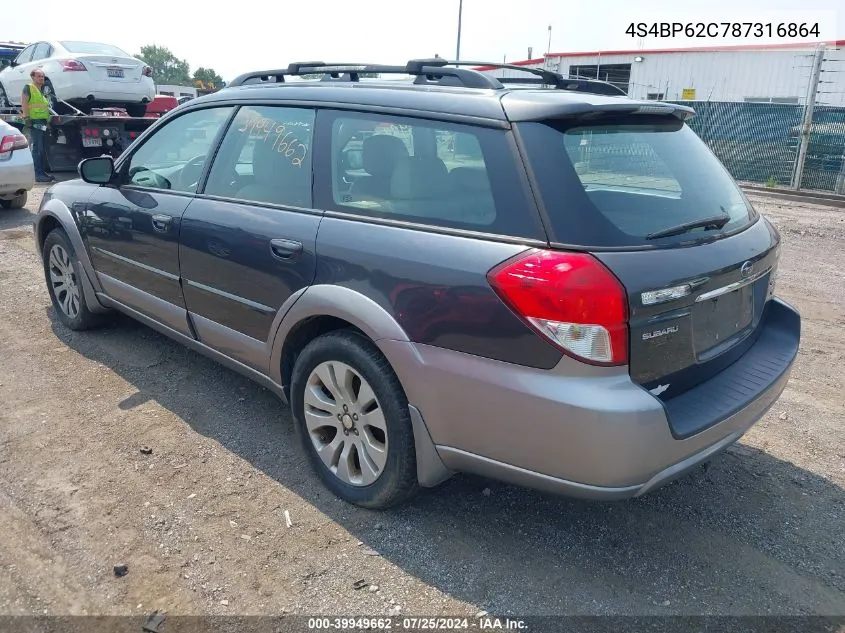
x=42, y=51
x=431, y=172
x=621, y=181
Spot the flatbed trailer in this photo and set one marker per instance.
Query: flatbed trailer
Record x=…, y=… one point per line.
x=75, y=136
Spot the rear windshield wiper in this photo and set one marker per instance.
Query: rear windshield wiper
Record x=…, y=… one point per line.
x=714, y=222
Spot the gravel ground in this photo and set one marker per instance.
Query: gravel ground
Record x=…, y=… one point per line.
x=200, y=522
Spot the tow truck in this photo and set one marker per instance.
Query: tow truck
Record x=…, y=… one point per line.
x=74, y=135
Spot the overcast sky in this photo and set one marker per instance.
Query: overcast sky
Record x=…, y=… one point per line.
x=268, y=33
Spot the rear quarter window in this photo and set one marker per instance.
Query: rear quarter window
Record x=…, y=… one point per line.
x=616, y=181
x=435, y=173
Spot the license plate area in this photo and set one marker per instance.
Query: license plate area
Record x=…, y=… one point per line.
x=91, y=142
x=115, y=73
x=716, y=321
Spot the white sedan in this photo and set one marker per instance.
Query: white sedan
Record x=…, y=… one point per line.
x=17, y=175
x=84, y=74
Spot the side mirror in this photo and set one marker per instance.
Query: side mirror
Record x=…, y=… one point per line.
x=98, y=170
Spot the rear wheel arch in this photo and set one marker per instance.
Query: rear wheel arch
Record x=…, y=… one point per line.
x=320, y=310
x=326, y=307
x=302, y=333
x=368, y=455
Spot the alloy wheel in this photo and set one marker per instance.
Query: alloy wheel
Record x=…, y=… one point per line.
x=345, y=423
x=63, y=281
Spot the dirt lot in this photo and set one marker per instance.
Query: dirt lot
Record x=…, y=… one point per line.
x=200, y=522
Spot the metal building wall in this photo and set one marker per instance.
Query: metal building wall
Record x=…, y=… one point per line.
x=719, y=76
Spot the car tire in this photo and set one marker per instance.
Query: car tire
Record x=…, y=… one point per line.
x=62, y=274
x=136, y=110
x=18, y=202
x=344, y=451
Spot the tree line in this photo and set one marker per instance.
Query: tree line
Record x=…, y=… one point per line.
x=170, y=70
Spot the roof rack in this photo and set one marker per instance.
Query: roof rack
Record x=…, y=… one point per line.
x=427, y=71
x=435, y=71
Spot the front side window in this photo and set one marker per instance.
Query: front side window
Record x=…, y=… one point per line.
x=26, y=55
x=174, y=157
x=430, y=172
x=622, y=181
x=265, y=157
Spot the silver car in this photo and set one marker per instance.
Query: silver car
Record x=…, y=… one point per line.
x=17, y=174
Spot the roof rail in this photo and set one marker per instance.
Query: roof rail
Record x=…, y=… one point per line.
x=550, y=78
x=436, y=71
x=426, y=71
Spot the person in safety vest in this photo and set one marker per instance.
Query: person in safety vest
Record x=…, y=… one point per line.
x=36, y=116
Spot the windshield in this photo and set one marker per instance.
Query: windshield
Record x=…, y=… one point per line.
x=619, y=181
x=93, y=48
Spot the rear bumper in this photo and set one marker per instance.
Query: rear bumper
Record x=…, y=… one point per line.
x=577, y=430
x=17, y=174
x=78, y=89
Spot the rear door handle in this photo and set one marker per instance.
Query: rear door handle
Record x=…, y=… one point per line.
x=285, y=249
x=161, y=222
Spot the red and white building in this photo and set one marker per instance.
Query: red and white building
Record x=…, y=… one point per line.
x=778, y=73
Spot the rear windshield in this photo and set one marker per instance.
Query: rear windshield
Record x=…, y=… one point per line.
x=92, y=48
x=618, y=181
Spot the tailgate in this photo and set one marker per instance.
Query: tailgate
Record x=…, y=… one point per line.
x=694, y=311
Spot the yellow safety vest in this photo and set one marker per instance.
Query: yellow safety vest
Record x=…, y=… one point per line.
x=39, y=107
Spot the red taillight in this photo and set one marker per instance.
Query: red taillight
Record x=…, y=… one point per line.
x=148, y=72
x=571, y=299
x=11, y=142
x=72, y=65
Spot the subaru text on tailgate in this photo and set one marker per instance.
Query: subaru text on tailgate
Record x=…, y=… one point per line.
x=533, y=279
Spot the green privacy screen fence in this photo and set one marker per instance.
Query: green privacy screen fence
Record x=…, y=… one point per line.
x=758, y=142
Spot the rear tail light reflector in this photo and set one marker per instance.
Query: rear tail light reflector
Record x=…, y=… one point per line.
x=10, y=143
x=72, y=65
x=571, y=299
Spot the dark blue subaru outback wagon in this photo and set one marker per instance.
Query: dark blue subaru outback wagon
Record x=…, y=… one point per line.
x=534, y=279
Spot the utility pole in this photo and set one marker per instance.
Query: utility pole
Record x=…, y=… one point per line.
x=806, y=125
x=549, y=47
x=460, y=16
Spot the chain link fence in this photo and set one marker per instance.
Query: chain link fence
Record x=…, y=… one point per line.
x=759, y=142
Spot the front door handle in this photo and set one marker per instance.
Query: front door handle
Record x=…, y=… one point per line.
x=161, y=222
x=285, y=249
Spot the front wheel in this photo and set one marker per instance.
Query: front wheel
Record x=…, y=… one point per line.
x=63, y=274
x=351, y=415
